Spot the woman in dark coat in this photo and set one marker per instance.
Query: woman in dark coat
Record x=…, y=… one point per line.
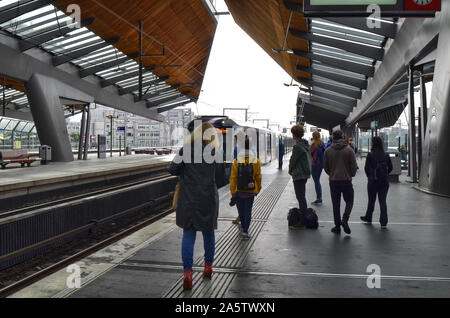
x=378, y=167
x=198, y=200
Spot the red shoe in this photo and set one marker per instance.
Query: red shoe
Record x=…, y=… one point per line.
x=187, y=283
x=208, y=271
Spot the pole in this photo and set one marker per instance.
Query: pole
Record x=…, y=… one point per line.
x=140, y=60
x=120, y=145
x=412, y=126
x=80, y=143
x=87, y=132
x=4, y=97
x=111, y=137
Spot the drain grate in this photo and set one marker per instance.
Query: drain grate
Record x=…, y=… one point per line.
x=231, y=250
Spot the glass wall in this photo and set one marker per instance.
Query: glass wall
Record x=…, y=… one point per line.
x=18, y=134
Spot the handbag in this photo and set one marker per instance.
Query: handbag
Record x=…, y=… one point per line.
x=175, y=196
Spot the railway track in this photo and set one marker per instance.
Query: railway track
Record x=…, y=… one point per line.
x=31, y=208
x=157, y=206
x=15, y=287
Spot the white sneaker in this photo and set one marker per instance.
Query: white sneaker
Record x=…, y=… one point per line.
x=245, y=236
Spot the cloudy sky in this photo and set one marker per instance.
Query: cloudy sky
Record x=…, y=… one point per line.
x=240, y=75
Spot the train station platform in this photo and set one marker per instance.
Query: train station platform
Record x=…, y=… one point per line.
x=276, y=262
x=16, y=182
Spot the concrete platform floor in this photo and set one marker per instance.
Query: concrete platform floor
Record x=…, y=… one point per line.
x=412, y=254
x=16, y=178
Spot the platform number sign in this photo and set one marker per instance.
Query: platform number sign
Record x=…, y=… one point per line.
x=360, y=8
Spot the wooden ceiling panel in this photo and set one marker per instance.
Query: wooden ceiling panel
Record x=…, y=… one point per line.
x=266, y=21
x=186, y=28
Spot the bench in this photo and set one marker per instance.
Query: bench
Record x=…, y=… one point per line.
x=16, y=156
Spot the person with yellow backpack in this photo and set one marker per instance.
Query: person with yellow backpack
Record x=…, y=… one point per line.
x=245, y=185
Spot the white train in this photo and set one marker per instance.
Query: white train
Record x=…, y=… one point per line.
x=267, y=143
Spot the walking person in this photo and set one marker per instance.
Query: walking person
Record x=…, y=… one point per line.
x=317, y=152
x=378, y=167
x=281, y=151
x=330, y=142
x=340, y=164
x=300, y=166
x=245, y=185
x=198, y=201
x=235, y=155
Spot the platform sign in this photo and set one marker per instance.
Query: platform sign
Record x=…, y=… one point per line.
x=121, y=128
x=17, y=144
x=364, y=8
x=101, y=146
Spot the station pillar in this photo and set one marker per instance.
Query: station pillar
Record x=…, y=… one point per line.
x=435, y=169
x=45, y=96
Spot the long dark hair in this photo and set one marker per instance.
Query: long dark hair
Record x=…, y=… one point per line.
x=378, y=148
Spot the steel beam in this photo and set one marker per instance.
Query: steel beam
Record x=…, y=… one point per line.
x=169, y=107
x=134, y=88
x=103, y=67
x=386, y=29
x=357, y=83
x=17, y=11
x=159, y=92
x=40, y=39
x=328, y=107
x=338, y=63
x=117, y=79
x=333, y=97
x=353, y=94
x=70, y=56
x=363, y=50
x=164, y=100
x=22, y=67
x=412, y=38
x=336, y=105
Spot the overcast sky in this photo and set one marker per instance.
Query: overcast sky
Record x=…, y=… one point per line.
x=241, y=74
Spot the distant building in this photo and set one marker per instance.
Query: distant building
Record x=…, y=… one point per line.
x=139, y=131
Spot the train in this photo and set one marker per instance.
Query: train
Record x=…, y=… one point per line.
x=267, y=145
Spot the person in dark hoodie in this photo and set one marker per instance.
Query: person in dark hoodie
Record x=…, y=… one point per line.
x=300, y=166
x=340, y=164
x=378, y=167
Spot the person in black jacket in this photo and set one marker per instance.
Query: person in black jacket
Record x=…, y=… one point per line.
x=198, y=200
x=378, y=167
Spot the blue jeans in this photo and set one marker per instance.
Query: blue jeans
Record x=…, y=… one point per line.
x=187, y=247
x=316, y=173
x=244, y=206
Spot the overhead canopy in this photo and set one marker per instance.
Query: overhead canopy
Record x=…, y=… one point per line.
x=179, y=33
x=332, y=57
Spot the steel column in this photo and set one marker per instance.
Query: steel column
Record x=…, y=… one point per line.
x=412, y=162
x=140, y=60
x=435, y=173
x=82, y=132
x=87, y=132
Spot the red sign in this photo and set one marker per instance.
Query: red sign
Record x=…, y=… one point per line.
x=422, y=5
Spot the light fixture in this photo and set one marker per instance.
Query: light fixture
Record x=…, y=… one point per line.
x=289, y=51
